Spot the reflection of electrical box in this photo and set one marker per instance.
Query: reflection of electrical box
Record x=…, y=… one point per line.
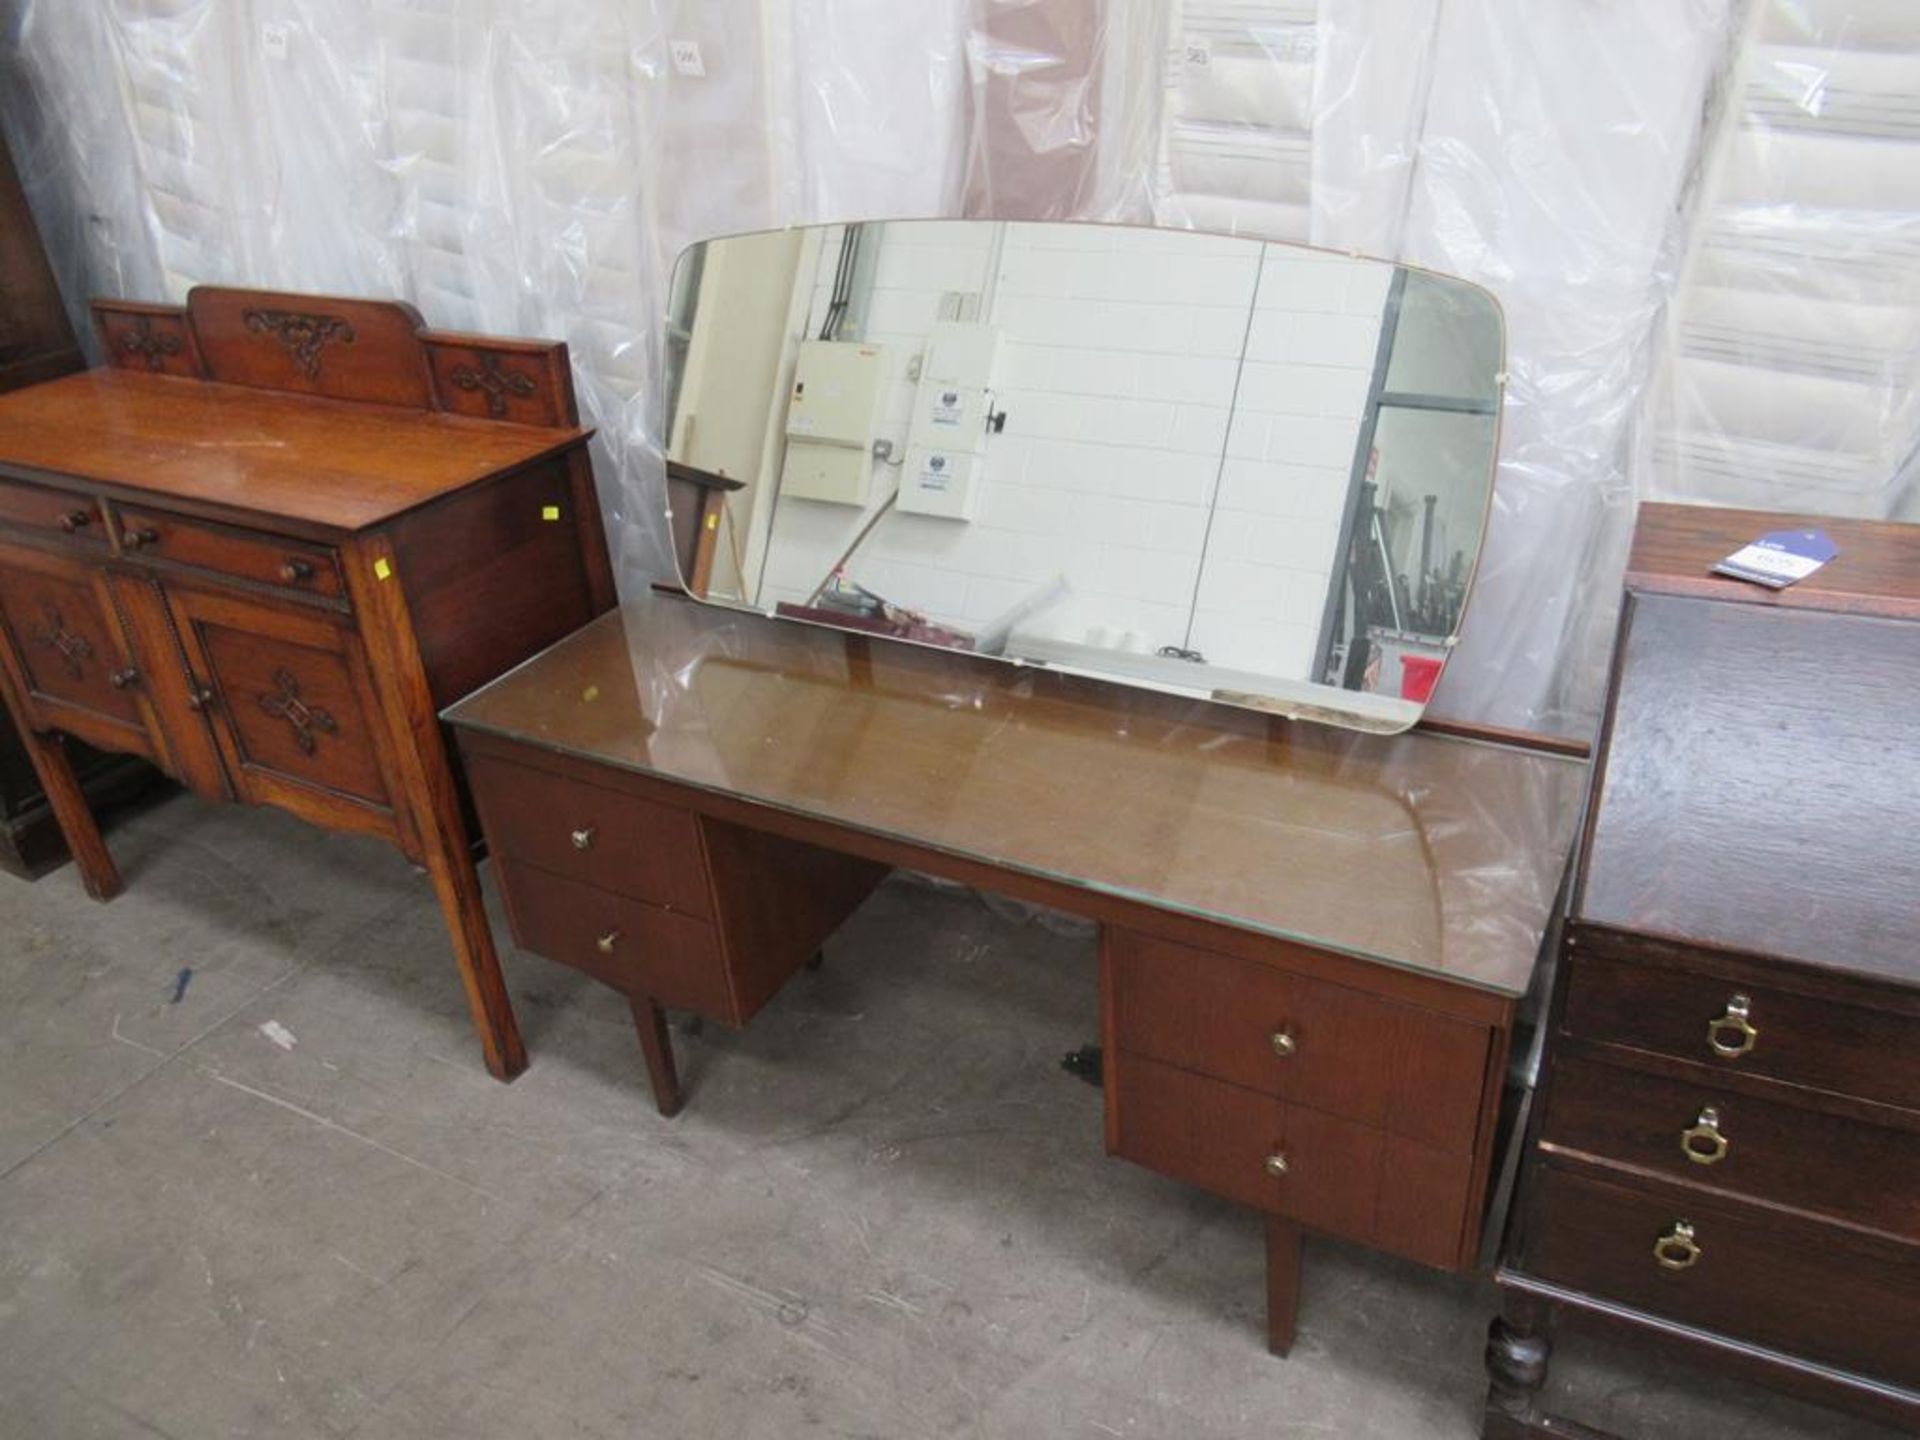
x=947, y=441
x=831, y=417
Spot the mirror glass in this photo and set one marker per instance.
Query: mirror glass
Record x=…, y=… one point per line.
x=1253, y=472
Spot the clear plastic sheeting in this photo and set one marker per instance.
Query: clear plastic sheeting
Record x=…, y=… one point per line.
x=1701, y=216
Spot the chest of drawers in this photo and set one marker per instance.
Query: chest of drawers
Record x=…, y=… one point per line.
x=1725, y=1152
x=265, y=544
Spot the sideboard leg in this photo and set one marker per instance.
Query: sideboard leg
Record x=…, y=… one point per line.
x=72, y=814
x=457, y=885
x=657, y=1045
x=1283, y=1283
x=1518, y=1350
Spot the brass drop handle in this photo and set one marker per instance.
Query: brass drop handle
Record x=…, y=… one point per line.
x=1276, y=1165
x=1703, y=1141
x=294, y=571
x=607, y=941
x=583, y=838
x=1676, y=1248
x=139, y=539
x=75, y=520
x=121, y=679
x=1283, y=1042
x=199, y=698
x=1732, y=1034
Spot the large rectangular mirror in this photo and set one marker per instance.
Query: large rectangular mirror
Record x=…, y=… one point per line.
x=1254, y=472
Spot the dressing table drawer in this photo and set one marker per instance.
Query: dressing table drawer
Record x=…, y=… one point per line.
x=37, y=510
x=1808, y=1288
x=1321, y=1171
x=601, y=837
x=1337, y=1050
x=637, y=948
x=1738, y=1027
x=250, y=556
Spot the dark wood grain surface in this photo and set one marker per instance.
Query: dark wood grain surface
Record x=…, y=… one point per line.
x=1877, y=571
x=1760, y=784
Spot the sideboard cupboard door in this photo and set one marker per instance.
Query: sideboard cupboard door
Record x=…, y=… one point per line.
x=292, y=708
x=67, y=652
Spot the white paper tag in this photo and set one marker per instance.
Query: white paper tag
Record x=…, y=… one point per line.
x=273, y=40
x=947, y=408
x=1779, y=558
x=933, y=475
x=686, y=58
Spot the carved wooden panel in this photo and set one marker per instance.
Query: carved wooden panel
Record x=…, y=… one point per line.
x=363, y=350
x=153, y=338
x=528, y=384
x=64, y=638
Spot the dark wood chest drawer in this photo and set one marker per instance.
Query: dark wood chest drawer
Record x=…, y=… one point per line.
x=1736, y=1270
x=251, y=556
x=37, y=510
x=1322, y=1171
x=601, y=837
x=637, y=948
x=1758, y=1030
x=1705, y=1134
x=1387, y=1065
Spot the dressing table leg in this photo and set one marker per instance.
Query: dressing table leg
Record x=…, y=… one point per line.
x=54, y=767
x=1518, y=1350
x=1283, y=1283
x=651, y=1021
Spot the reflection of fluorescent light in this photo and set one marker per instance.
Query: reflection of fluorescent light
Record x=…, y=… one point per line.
x=1298, y=699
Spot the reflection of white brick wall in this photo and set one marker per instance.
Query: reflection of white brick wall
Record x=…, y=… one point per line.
x=1121, y=352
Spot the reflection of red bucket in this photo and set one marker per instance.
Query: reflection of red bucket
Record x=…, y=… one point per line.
x=1418, y=674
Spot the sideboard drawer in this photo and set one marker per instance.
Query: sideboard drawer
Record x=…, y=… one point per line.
x=1697, y=1132
x=1744, y=1272
x=1389, y=1065
x=249, y=555
x=35, y=509
x=1732, y=1025
x=637, y=948
x=602, y=837
x=1324, y=1172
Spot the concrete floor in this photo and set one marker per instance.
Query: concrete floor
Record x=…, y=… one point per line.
x=885, y=1212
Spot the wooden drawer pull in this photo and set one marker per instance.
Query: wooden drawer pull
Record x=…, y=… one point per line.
x=139, y=539
x=1703, y=1141
x=583, y=838
x=1276, y=1166
x=607, y=941
x=75, y=520
x=1732, y=1034
x=294, y=571
x=1676, y=1249
x=1283, y=1042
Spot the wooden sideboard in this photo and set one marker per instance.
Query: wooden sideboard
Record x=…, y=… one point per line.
x=1724, y=1160
x=264, y=545
x=1313, y=940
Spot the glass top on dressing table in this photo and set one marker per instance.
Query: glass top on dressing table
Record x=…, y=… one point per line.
x=1423, y=851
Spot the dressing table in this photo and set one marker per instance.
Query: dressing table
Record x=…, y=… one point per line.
x=1313, y=940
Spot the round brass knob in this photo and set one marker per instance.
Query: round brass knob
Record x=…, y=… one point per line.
x=1703, y=1142
x=75, y=520
x=1283, y=1042
x=1732, y=1034
x=1276, y=1166
x=294, y=571
x=583, y=838
x=607, y=941
x=139, y=539
x=121, y=679
x=1676, y=1248
x=200, y=698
